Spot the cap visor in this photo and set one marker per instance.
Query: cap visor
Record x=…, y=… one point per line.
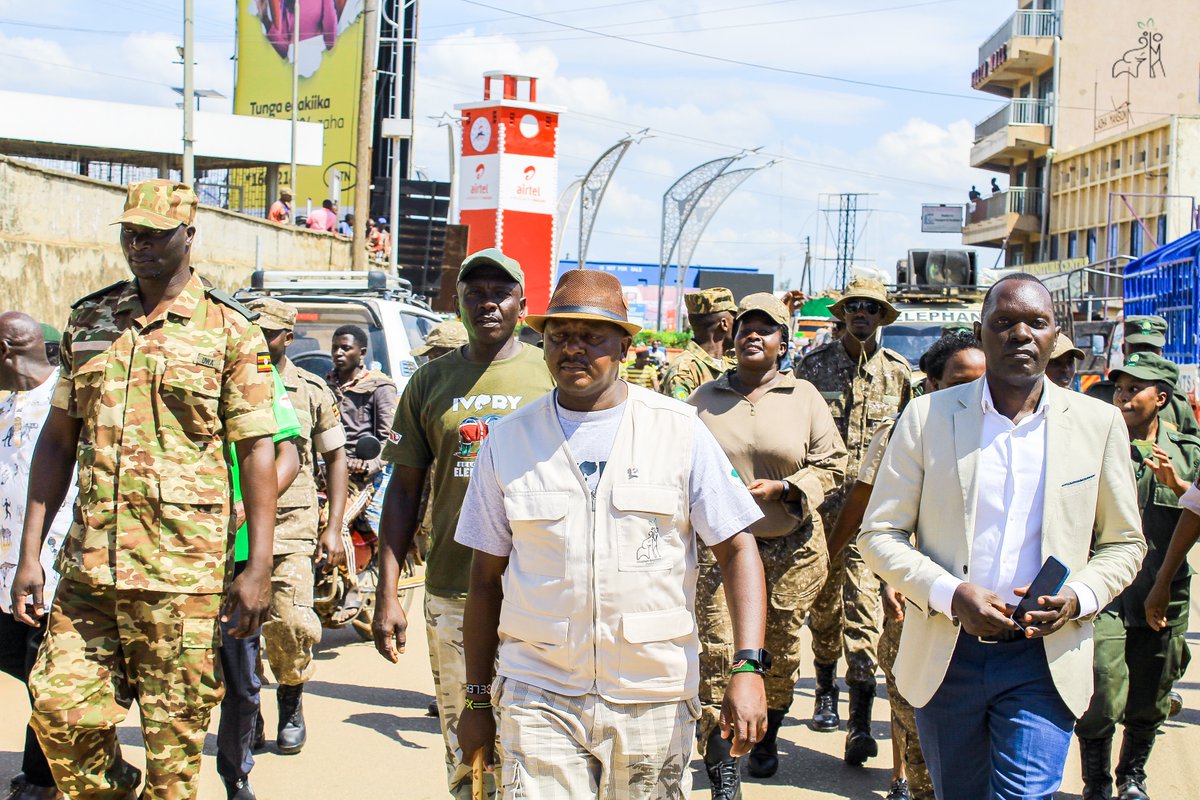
x=466, y=269
x=147, y=219
x=1146, y=338
x=1135, y=373
x=422, y=350
x=538, y=321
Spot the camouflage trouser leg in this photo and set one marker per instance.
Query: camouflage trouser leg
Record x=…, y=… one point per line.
x=904, y=723
x=444, y=628
x=795, y=570
x=103, y=648
x=292, y=627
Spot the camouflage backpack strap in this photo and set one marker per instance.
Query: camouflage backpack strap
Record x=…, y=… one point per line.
x=223, y=297
x=98, y=293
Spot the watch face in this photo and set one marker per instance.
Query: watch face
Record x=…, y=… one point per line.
x=481, y=134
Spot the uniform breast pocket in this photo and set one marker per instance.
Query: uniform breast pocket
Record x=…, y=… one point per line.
x=539, y=528
x=189, y=396
x=647, y=538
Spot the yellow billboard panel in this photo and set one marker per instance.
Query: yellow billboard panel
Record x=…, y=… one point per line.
x=329, y=60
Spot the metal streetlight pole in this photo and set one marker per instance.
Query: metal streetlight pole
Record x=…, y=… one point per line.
x=295, y=103
x=189, y=91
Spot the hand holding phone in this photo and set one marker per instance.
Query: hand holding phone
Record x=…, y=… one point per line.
x=1060, y=606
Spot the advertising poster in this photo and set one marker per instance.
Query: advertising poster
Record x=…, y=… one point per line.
x=330, y=68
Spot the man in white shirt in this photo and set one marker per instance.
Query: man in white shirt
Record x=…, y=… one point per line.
x=1042, y=472
x=24, y=371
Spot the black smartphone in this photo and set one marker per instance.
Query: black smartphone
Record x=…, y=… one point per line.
x=1049, y=580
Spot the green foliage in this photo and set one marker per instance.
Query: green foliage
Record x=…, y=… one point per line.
x=672, y=339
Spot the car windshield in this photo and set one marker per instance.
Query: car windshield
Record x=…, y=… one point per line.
x=911, y=341
x=315, y=324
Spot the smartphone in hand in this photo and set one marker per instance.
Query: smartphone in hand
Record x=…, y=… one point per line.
x=1049, y=580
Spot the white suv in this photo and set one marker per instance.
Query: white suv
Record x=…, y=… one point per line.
x=396, y=320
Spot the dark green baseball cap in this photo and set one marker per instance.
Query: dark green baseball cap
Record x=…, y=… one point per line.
x=50, y=333
x=1147, y=367
x=1146, y=330
x=492, y=257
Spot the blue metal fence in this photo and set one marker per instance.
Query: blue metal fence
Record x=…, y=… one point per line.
x=1166, y=282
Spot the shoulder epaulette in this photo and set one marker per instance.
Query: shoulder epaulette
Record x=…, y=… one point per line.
x=1180, y=437
x=98, y=292
x=223, y=297
x=892, y=354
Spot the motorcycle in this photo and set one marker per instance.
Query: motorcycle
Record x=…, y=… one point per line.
x=356, y=581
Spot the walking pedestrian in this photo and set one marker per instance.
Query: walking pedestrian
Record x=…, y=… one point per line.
x=780, y=437
x=449, y=407
x=864, y=383
x=583, y=513
x=710, y=315
x=160, y=374
x=1041, y=472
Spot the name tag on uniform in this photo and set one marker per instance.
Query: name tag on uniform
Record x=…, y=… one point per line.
x=208, y=361
x=891, y=398
x=831, y=395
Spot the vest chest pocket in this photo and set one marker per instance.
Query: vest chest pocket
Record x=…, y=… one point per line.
x=189, y=396
x=647, y=539
x=539, y=528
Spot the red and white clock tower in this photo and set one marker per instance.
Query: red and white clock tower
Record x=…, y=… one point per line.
x=508, y=179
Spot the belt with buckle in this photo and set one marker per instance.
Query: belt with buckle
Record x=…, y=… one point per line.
x=1004, y=637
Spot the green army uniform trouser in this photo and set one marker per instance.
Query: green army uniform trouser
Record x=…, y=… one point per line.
x=847, y=615
x=1135, y=668
x=795, y=567
x=104, y=649
x=904, y=722
x=293, y=628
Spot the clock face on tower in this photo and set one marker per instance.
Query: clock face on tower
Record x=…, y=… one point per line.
x=481, y=134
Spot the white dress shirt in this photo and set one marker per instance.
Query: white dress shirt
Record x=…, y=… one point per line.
x=1006, y=544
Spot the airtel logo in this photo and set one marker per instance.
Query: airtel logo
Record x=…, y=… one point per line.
x=530, y=172
x=479, y=170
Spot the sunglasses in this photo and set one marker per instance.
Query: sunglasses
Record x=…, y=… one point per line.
x=871, y=307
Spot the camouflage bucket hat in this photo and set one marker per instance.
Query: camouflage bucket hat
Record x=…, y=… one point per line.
x=709, y=301
x=159, y=204
x=1146, y=330
x=450, y=334
x=866, y=289
x=273, y=315
x=763, y=303
x=1147, y=367
x=1064, y=346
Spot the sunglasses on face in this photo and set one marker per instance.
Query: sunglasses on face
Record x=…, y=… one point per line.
x=871, y=307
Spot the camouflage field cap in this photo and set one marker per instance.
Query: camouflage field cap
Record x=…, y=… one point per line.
x=490, y=257
x=763, y=303
x=159, y=204
x=450, y=334
x=273, y=315
x=1064, y=346
x=709, y=301
x=1147, y=367
x=1146, y=330
x=866, y=289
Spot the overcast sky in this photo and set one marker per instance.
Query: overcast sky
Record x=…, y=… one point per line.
x=850, y=96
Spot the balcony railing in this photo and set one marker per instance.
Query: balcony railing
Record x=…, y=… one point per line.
x=1017, y=200
x=1027, y=22
x=1020, y=111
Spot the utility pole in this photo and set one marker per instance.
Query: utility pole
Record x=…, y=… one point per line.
x=366, y=116
x=189, y=91
x=295, y=107
x=806, y=272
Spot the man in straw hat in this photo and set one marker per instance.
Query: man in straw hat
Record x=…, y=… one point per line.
x=448, y=408
x=584, y=514
x=710, y=314
x=1064, y=360
x=160, y=375
x=864, y=383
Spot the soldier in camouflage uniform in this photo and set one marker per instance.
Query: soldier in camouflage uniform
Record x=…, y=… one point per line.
x=159, y=375
x=710, y=313
x=864, y=383
x=292, y=629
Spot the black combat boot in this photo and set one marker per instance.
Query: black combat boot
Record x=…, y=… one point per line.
x=722, y=768
x=860, y=745
x=1095, y=756
x=764, y=758
x=825, y=710
x=292, y=733
x=1131, y=768
x=239, y=790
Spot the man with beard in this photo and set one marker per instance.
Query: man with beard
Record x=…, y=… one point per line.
x=445, y=415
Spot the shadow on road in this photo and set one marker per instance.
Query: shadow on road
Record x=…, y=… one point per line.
x=371, y=695
x=393, y=726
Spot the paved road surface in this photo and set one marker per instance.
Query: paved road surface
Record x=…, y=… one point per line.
x=369, y=737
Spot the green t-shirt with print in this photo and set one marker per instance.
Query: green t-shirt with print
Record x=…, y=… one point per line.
x=289, y=428
x=442, y=419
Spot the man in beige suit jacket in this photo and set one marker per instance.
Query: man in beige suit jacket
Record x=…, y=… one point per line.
x=993, y=477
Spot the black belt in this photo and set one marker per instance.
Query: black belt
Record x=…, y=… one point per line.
x=1004, y=637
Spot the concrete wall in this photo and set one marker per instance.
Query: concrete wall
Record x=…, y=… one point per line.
x=57, y=243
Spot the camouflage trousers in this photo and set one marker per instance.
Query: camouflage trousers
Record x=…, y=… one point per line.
x=848, y=613
x=444, y=629
x=292, y=627
x=795, y=567
x=105, y=648
x=904, y=723
x=556, y=746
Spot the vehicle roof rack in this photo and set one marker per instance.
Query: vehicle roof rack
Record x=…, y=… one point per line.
x=376, y=283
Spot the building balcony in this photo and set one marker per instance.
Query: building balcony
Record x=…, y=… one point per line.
x=1020, y=48
x=1014, y=215
x=1016, y=132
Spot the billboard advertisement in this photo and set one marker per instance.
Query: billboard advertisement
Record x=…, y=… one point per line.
x=941, y=219
x=329, y=60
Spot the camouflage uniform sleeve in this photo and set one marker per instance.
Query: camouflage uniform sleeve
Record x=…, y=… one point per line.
x=680, y=380
x=906, y=392
x=64, y=389
x=247, y=389
x=407, y=443
x=327, y=433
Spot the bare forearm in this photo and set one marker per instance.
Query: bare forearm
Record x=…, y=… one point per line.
x=49, y=479
x=337, y=484
x=745, y=590
x=260, y=490
x=850, y=520
x=481, y=621
x=401, y=506
x=1187, y=531
x=287, y=465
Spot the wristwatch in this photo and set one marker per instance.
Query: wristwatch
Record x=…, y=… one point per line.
x=751, y=661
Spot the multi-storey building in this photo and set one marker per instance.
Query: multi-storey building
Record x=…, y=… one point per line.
x=1099, y=137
